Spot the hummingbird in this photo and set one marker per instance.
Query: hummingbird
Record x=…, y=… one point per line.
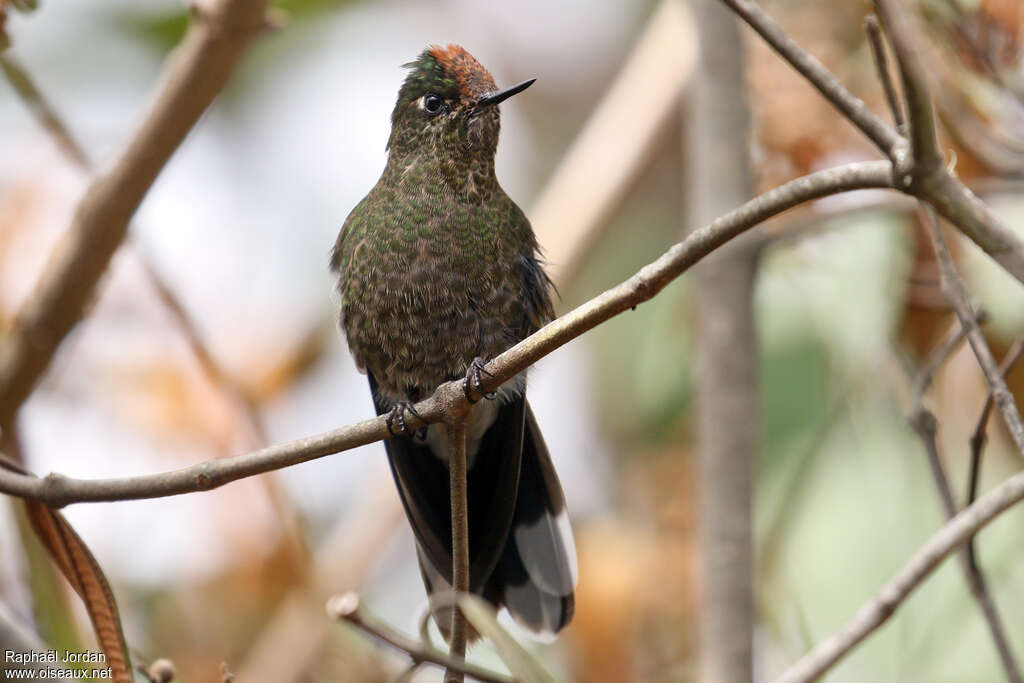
x=439, y=271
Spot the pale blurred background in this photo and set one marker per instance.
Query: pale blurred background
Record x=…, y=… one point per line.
x=239, y=226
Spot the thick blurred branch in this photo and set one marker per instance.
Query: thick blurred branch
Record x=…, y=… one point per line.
x=48, y=118
x=347, y=608
x=926, y=560
x=584, y=189
x=449, y=400
x=195, y=73
x=717, y=177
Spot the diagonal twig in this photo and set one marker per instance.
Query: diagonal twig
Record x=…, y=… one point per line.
x=926, y=426
x=877, y=42
x=924, y=142
x=928, y=557
x=939, y=355
x=852, y=107
x=956, y=292
x=980, y=435
x=47, y=116
x=347, y=608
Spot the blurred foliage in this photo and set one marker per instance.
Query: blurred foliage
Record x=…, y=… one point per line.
x=162, y=31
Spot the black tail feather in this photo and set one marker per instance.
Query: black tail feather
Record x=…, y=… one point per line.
x=521, y=548
x=536, y=575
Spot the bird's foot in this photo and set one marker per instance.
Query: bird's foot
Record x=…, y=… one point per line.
x=473, y=383
x=396, y=422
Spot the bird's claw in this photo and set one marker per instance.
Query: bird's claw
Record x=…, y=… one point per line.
x=473, y=383
x=396, y=416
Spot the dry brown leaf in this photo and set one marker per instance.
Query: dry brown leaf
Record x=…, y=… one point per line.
x=82, y=571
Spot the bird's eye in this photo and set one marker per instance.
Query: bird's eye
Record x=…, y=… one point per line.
x=432, y=104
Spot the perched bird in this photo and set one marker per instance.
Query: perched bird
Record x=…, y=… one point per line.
x=438, y=271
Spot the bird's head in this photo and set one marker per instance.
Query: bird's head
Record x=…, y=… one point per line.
x=448, y=105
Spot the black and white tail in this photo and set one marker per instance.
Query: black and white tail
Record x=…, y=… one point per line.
x=521, y=549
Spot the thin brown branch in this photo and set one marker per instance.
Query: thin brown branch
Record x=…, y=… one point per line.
x=956, y=292
x=939, y=355
x=933, y=183
x=853, y=108
x=971, y=216
x=877, y=43
x=460, y=541
x=583, y=191
x=924, y=142
x=449, y=399
x=195, y=73
x=926, y=426
x=347, y=608
x=927, y=558
x=30, y=93
x=980, y=436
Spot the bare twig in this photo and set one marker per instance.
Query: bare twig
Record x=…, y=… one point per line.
x=956, y=292
x=924, y=142
x=926, y=160
x=925, y=424
x=195, y=73
x=460, y=541
x=347, y=608
x=852, y=107
x=877, y=43
x=26, y=88
x=583, y=191
x=980, y=435
x=939, y=355
x=931, y=182
x=928, y=557
x=449, y=400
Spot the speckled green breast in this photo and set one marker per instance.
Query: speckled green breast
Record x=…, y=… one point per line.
x=430, y=279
